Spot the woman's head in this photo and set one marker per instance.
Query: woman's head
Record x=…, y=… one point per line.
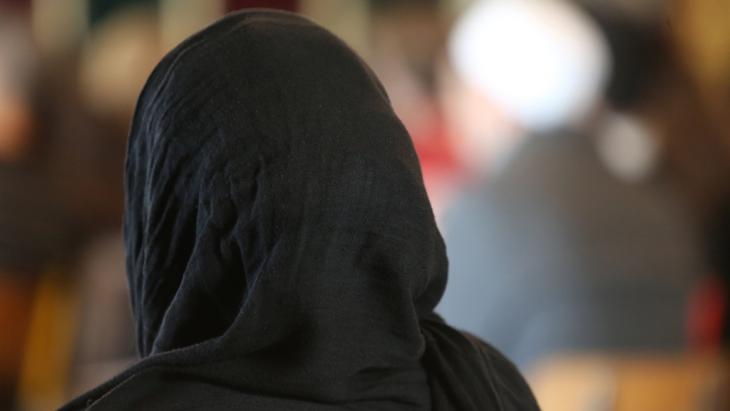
x=273, y=194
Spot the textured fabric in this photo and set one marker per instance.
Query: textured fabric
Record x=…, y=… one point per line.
x=281, y=251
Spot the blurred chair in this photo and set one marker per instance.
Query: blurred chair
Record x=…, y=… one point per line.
x=595, y=382
x=49, y=348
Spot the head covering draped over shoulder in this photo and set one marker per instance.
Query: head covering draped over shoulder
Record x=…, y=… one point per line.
x=281, y=250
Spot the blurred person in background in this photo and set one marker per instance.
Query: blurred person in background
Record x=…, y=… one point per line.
x=574, y=237
x=518, y=69
x=37, y=233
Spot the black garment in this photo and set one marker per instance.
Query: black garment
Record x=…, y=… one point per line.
x=282, y=253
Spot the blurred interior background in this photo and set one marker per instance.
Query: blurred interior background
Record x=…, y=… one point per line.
x=575, y=152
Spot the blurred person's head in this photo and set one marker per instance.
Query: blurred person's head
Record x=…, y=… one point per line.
x=18, y=69
x=701, y=30
x=521, y=67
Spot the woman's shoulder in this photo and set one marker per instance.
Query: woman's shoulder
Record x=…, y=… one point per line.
x=466, y=373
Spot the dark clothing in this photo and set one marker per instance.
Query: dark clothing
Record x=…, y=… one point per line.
x=281, y=250
x=581, y=260
x=36, y=231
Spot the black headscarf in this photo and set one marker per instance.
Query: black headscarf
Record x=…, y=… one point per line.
x=281, y=250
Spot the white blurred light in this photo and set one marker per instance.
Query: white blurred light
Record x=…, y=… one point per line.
x=541, y=61
x=627, y=148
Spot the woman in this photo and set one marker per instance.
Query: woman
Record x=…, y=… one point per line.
x=281, y=250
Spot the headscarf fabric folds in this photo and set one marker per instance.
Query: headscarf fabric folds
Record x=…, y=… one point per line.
x=281, y=251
